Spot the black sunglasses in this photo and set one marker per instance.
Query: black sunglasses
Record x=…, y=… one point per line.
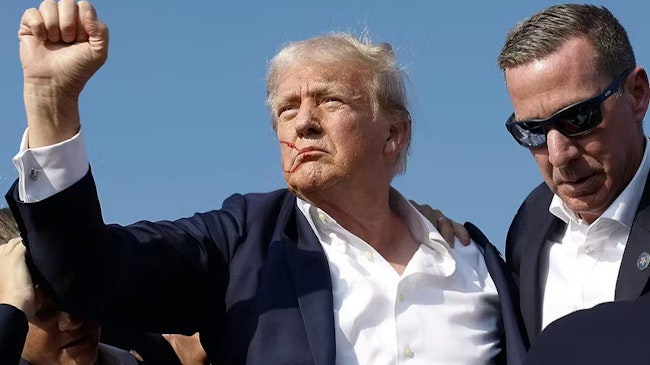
x=574, y=120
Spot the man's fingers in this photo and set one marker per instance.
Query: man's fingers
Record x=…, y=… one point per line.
x=14, y=246
x=462, y=233
x=446, y=228
x=17, y=247
x=50, y=13
x=81, y=35
x=449, y=229
x=94, y=29
x=68, y=20
x=32, y=23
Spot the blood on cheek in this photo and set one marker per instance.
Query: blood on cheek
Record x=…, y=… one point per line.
x=291, y=145
x=304, y=152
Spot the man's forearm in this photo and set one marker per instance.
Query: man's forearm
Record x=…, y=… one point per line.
x=52, y=117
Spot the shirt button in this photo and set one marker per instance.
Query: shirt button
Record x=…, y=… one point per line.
x=589, y=250
x=409, y=353
x=573, y=308
x=400, y=297
x=369, y=256
x=33, y=174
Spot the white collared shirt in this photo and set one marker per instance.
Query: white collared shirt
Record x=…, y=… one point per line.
x=443, y=309
x=580, y=264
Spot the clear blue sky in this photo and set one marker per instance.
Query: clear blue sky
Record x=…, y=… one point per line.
x=175, y=121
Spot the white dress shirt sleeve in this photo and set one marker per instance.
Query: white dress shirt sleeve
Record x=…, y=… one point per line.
x=45, y=171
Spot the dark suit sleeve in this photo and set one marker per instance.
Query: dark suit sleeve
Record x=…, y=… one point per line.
x=13, y=331
x=152, y=274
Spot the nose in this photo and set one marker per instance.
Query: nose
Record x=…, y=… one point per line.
x=308, y=120
x=561, y=149
x=68, y=322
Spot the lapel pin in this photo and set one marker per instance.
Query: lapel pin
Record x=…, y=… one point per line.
x=643, y=261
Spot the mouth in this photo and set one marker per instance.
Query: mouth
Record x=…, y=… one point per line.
x=307, y=152
x=304, y=155
x=300, y=150
x=81, y=341
x=579, y=181
x=582, y=185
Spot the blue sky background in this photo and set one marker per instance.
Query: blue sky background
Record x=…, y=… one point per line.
x=175, y=121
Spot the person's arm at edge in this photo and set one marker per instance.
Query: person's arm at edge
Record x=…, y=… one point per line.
x=53, y=80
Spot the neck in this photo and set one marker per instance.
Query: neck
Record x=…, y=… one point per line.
x=369, y=216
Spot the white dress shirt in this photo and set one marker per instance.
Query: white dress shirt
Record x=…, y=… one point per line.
x=580, y=264
x=443, y=309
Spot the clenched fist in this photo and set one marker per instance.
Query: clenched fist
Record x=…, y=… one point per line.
x=62, y=44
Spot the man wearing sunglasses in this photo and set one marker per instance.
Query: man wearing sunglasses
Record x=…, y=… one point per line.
x=579, y=98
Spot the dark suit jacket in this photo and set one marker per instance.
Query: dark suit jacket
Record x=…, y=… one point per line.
x=525, y=242
x=13, y=331
x=609, y=333
x=152, y=347
x=252, y=277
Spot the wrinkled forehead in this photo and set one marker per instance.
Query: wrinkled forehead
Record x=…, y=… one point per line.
x=303, y=79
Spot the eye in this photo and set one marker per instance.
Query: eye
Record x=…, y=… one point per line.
x=331, y=102
x=286, y=112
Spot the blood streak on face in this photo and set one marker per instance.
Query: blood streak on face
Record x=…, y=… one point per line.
x=303, y=153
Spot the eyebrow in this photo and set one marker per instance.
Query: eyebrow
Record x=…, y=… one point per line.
x=318, y=89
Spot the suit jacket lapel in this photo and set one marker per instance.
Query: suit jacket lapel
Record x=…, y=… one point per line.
x=632, y=279
x=539, y=227
x=513, y=338
x=311, y=278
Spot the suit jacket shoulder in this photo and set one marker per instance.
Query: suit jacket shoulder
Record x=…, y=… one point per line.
x=609, y=333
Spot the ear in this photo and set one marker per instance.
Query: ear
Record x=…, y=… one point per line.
x=640, y=91
x=398, y=136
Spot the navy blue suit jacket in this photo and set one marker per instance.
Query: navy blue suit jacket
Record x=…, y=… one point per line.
x=152, y=347
x=525, y=242
x=609, y=333
x=251, y=277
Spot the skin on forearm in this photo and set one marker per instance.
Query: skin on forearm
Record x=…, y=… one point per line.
x=52, y=116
